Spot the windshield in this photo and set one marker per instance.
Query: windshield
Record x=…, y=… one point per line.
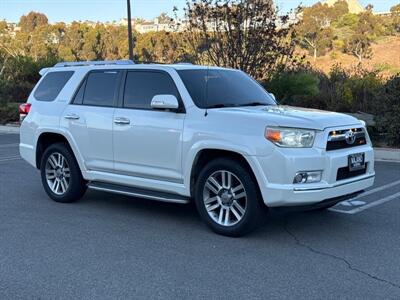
x=223, y=88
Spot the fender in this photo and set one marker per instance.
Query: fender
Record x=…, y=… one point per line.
x=71, y=141
x=190, y=157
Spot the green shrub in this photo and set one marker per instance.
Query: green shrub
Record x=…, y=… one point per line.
x=294, y=88
x=387, y=106
x=9, y=113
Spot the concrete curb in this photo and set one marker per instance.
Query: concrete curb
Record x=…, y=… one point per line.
x=387, y=154
x=381, y=154
x=9, y=129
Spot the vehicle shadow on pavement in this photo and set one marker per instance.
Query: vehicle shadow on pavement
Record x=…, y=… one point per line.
x=186, y=215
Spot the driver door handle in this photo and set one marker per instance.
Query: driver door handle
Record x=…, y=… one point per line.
x=122, y=121
x=71, y=117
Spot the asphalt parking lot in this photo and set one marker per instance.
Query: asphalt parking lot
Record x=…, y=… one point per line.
x=108, y=246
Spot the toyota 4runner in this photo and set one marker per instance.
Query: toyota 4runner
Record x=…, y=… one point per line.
x=180, y=132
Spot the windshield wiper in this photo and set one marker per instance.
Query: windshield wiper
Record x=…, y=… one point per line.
x=220, y=105
x=255, y=104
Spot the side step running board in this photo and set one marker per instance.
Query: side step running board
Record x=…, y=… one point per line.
x=138, y=192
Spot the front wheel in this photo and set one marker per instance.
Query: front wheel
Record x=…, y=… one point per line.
x=61, y=176
x=227, y=198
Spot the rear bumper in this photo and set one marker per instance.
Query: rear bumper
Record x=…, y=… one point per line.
x=27, y=152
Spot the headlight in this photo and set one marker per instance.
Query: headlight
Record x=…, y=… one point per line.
x=290, y=137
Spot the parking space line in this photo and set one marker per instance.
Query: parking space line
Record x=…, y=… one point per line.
x=9, y=158
x=369, y=205
x=375, y=190
x=363, y=205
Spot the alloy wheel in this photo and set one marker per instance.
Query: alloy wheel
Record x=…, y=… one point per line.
x=57, y=173
x=225, y=198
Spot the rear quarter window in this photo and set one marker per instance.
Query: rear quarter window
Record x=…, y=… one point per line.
x=51, y=85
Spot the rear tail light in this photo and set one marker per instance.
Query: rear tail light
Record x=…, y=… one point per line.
x=24, y=110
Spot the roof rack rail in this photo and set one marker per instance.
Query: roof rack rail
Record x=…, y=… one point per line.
x=93, y=63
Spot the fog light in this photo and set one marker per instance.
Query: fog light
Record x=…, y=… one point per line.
x=308, y=177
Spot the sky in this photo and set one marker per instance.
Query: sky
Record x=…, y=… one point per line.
x=109, y=10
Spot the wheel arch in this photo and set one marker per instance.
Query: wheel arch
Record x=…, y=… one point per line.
x=203, y=156
x=47, y=138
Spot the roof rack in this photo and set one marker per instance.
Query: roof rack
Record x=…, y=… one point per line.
x=93, y=63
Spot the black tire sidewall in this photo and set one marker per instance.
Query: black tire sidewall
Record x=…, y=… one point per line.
x=254, y=203
x=77, y=185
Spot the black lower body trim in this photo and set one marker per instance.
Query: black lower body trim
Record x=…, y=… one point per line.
x=319, y=205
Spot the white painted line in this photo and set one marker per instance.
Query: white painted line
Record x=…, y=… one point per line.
x=375, y=190
x=15, y=157
x=9, y=145
x=369, y=205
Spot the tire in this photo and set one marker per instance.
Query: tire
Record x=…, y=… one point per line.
x=56, y=161
x=241, y=213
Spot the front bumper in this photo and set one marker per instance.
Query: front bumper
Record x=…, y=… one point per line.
x=275, y=175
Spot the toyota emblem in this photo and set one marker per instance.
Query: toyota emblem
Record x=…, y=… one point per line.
x=350, y=137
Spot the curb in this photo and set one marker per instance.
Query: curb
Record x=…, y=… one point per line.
x=381, y=154
x=9, y=129
x=387, y=154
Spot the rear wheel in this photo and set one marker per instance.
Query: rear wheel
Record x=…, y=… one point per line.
x=227, y=198
x=61, y=176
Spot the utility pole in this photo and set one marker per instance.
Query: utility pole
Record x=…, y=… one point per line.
x=130, y=37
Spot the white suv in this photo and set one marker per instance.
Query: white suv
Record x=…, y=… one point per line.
x=180, y=132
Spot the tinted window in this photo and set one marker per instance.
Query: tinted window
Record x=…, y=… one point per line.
x=219, y=88
x=141, y=87
x=79, y=95
x=101, y=88
x=51, y=85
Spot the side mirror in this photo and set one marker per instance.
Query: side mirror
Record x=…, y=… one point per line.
x=273, y=96
x=164, y=102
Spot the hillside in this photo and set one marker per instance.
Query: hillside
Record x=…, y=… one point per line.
x=354, y=6
x=386, y=57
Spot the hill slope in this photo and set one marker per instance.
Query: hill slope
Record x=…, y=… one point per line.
x=385, y=57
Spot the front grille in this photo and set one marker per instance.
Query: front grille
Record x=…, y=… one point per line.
x=345, y=173
x=347, y=138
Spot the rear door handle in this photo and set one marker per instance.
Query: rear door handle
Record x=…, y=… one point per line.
x=122, y=121
x=71, y=117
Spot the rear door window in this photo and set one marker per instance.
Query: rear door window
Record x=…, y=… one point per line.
x=51, y=85
x=101, y=88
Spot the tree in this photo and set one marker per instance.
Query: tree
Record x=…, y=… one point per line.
x=360, y=46
x=395, y=10
x=32, y=20
x=365, y=31
x=242, y=34
x=314, y=30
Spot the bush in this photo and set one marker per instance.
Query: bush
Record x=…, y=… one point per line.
x=295, y=88
x=344, y=90
x=9, y=113
x=387, y=106
x=20, y=74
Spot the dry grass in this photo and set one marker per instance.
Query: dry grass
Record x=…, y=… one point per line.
x=385, y=57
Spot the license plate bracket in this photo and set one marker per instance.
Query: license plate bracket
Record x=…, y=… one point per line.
x=356, y=161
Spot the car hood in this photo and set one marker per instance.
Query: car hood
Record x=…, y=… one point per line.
x=289, y=116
